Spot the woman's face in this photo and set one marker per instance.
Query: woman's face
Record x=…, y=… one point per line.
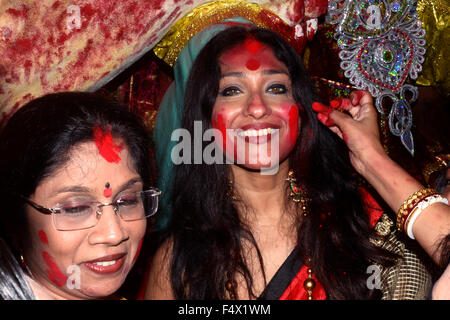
x=92, y=262
x=255, y=110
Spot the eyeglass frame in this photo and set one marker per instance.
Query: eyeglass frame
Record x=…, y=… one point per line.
x=99, y=212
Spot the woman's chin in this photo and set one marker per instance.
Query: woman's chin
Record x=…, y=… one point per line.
x=262, y=167
x=100, y=292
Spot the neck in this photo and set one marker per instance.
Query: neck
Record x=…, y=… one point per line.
x=264, y=195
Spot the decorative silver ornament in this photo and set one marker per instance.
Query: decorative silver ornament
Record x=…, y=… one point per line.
x=382, y=43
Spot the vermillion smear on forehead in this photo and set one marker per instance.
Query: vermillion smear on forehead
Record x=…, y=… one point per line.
x=54, y=273
x=253, y=46
x=105, y=144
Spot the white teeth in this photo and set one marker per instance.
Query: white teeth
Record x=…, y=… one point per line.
x=105, y=263
x=255, y=133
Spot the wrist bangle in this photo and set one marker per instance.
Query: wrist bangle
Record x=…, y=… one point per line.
x=415, y=213
x=409, y=204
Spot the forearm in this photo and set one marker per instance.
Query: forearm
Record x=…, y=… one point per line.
x=395, y=185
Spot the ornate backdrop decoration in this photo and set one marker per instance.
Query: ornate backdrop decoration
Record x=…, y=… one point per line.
x=382, y=43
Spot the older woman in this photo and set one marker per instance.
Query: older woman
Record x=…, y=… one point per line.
x=75, y=194
x=279, y=213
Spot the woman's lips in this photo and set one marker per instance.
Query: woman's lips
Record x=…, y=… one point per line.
x=107, y=264
x=257, y=133
x=257, y=126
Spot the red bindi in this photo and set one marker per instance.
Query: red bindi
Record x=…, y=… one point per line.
x=253, y=64
x=108, y=191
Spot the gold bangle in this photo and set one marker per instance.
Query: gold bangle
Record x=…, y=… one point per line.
x=408, y=206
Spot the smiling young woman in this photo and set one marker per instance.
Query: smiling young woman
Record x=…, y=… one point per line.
x=306, y=231
x=75, y=193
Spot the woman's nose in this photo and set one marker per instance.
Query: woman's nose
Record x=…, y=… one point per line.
x=109, y=229
x=257, y=107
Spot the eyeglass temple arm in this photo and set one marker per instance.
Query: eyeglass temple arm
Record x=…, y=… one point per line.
x=37, y=207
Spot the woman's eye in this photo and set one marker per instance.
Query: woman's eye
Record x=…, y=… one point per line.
x=128, y=201
x=76, y=209
x=277, y=89
x=230, y=91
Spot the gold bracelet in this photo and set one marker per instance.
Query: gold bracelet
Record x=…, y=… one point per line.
x=410, y=203
x=420, y=206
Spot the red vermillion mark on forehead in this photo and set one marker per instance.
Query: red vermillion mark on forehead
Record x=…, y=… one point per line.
x=105, y=144
x=108, y=191
x=253, y=64
x=43, y=236
x=54, y=273
x=253, y=45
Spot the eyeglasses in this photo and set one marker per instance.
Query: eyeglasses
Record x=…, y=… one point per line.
x=79, y=214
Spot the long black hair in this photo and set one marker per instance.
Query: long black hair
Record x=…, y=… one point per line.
x=38, y=138
x=206, y=229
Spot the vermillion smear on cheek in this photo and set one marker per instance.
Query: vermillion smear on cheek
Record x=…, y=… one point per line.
x=293, y=123
x=43, y=236
x=219, y=124
x=105, y=144
x=54, y=273
x=344, y=137
x=138, y=251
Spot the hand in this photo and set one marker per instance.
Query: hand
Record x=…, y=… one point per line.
x=357, y=125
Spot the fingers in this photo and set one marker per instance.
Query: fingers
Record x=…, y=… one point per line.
x=323, y=113
x=360, y=97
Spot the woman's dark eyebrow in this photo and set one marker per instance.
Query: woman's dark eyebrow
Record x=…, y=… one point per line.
x=232, y=74
x=81, y=189
x=275, y=71
x=129, y=184
x=265, y=72
x=75, y=189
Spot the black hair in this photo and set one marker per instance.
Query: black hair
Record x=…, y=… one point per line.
x=38, y=138
x=205, y=227
x=441, y=180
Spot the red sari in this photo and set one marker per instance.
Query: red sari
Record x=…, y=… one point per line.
x=295, y=289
